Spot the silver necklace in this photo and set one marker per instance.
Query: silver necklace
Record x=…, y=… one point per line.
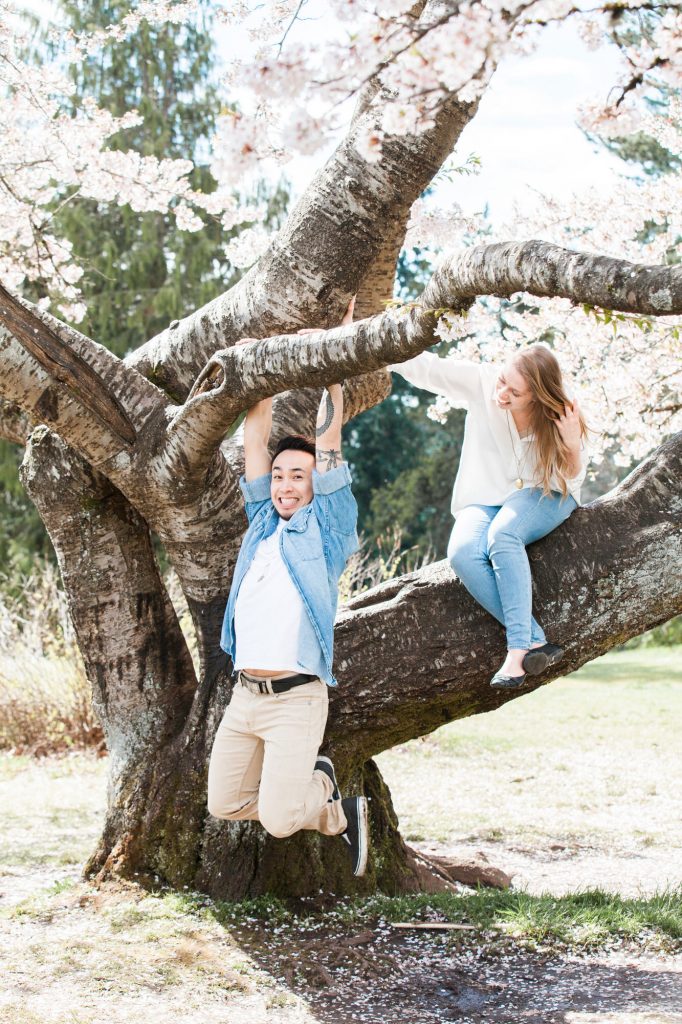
x=266, y=560
x=520, y=466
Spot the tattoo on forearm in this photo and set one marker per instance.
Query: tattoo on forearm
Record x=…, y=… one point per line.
x=325, y=415
x=332, y=457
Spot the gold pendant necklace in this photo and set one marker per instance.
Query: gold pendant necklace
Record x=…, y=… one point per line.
x=520, y=466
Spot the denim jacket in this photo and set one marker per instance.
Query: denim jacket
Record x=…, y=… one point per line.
x=315, y=544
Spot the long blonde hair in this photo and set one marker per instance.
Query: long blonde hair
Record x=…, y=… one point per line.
x=540, y=368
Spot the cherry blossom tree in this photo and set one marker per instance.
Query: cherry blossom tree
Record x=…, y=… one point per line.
x=118, y=450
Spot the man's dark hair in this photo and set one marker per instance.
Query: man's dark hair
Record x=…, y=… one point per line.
x=296, y=443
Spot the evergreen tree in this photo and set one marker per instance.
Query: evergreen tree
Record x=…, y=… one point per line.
x=404, y=463
x=140, y=271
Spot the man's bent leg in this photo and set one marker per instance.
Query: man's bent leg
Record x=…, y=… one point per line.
x=236, y=763
x=293, y=795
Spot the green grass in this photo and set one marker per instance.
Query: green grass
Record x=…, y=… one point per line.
x=642, y=666
x=583, y=919
x=591, y=758
x=612, y=698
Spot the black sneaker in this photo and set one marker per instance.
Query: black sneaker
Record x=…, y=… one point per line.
x=357, y=831
x=324, y=764
x=540, y=658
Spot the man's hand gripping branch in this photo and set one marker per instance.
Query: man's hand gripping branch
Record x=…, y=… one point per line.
x=258, y=423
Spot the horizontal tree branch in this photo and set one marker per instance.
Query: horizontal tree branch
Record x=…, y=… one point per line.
x=418, y=651
x=60, y=377
x=175, y=477
x=55, y=351
x=236, y=378
x=544, y=269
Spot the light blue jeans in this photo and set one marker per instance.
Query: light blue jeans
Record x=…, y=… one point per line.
x=487, y=550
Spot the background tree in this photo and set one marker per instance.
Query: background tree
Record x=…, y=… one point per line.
x=141, y=270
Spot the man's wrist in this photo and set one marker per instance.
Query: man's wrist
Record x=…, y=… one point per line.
x=257, y=489
x=331, y=480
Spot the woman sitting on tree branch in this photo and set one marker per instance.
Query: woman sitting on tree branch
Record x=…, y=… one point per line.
x=522, y=464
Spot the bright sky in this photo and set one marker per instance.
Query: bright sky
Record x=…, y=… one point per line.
x=524, y=132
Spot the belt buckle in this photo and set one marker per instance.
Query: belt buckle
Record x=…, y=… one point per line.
x=255, y=685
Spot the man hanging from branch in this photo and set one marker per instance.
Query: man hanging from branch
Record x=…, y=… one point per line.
x=278, y=630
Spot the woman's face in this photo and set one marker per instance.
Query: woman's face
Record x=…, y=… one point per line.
x=511, y=390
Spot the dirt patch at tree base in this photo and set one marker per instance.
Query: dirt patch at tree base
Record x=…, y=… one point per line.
x=88, y=952
x=379, y=976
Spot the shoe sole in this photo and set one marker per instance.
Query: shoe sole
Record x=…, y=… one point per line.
x=363, y=837
x=536, y=662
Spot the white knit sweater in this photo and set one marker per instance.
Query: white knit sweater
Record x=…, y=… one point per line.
x=493, y=454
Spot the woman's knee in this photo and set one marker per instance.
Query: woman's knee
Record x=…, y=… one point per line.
x=503, y=537
x=463, y=554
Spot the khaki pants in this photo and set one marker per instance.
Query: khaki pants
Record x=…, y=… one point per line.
x=262, y=765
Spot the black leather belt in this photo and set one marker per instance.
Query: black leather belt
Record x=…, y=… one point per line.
x=268, y=685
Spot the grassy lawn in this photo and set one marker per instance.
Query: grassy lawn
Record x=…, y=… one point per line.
x=592, y=758
x=51, y=810
x=588, y=762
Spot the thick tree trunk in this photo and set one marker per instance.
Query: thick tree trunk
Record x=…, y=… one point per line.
x=135, y=655
x=401, y=672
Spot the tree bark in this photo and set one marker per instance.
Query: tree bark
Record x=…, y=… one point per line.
x=596, y=585
x=135, y=654
x=15, y=425
x=417, y=652
x=339, y=235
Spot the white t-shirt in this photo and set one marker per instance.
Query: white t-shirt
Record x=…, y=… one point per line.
x=494, y=455
x=268, y=610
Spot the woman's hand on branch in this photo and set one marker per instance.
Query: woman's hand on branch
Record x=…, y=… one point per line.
x=347, y=319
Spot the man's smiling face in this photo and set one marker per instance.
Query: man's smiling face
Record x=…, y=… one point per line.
x=291, y=486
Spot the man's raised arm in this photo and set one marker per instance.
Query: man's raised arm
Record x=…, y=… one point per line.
x=257, y=427
x=330, y=418
x=328, y=429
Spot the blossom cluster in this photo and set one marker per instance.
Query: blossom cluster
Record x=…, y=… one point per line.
x=295, y=91
x=49, y=156
x=293, y=97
